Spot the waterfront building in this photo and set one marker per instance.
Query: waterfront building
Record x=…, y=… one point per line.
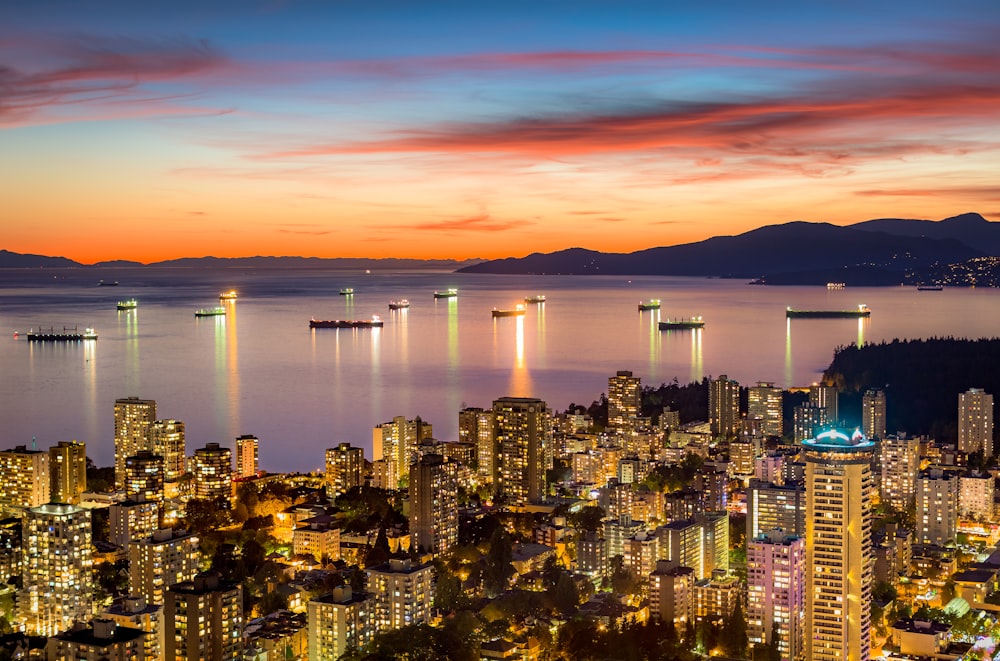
x=396, y=441
x=476, y=426
x=166, y=438
x=724, y=407
x=434, y=504
x=103, y=640
x=203, y=620
x=133, y=419
x=24, y=480
x=524, y=439
x=873, y=407
x=624, y=401
x=345, y=468
x=403, y=594
x=144, y=476
x=339, y=621
x=937, y=506
x=839, y=560
x=975, y=422
x=213, y=472
x=900, y=464
x=164, y=558
x=776, y=592
x=764, y=403
x=247, y=456
x=825, y=397
x=68, y=470
x=57, y=569
x=132, y=520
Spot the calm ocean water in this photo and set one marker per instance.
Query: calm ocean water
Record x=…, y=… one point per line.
x=260, y=369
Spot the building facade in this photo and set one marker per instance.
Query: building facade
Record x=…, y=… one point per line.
x=68, y=469
x=247, y=456
x=873, y=406
x=160, y=560
x=937, y=506
x=900, y=465
x=975, y=422
x=133, y=419
x=724, y=407
x=434, y=504
x=776, y=592
x=624, y=401
x=213, y=472
x=345, y=468
x=396, y=442
x=203, y=620
x=524, y=440
x=402, y=593
x=339, y=621
x=764, y=403
x=25, y=480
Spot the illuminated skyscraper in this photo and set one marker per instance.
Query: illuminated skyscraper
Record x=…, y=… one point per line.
x=808, y=420
x=132, y=520
x=826, y=397
x=396, y=442
x=164, y=558
x=937, y=506
x=24, y=480
x=476, y=426
x=203, y=620
x=624, y=401
x=840, y=563
x=213, y=472
x=339, y=621
x=144, y=476
x=764, y=403
x=776, y=592
x=133, y=419
x=900, y=463
x=68, y=468
x=771, y=506
x=524, y=440
x=724, y=407
x=57, y=569
x=166, y=438
x=975, y=422
x=247, y=458
x=873, y=413
x=345, y=468
x=403, y=594
x=434, y=504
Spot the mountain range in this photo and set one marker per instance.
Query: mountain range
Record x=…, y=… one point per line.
x=873, y=252
x=18, y=260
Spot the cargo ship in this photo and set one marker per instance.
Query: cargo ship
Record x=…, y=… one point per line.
x=374, y=322
x=347, y=291
x=516, y=312
x=228, y=295
x=448, y=293
x=67, y=335
x=862, y=312
x=691, y=323
x=929, y=287
x=130, y=304
x=537, y=298
x=651, y=304
x=401, y=304
x=210, y=312
x=103, y=283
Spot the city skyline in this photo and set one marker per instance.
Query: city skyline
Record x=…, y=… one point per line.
x=450, y=131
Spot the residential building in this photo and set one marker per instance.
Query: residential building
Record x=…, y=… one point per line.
x=318, y=536
x=776, y=592
x=339, y=621
x=434, y=504
x=24, y=480
x=166, y=439
x=873, y=417
x=103, y=640
x=900, y=464
x=144, y=476
x=975, y=422
x=203, y=620
x=724, y=407
x=68, y=470
x=133, y=419
x=671, y=594
x=345, y=468
x=937, y=506
x=476, y=426
x=132, y=520
x=396, y=442
x=403, y=594
x=247, y=456
x=764, y=403
x=976, y=493
x=213, y=472
x=683, y=544
x=640, y=553
x=715, y=540
x=839, y=560
x=808, y=420
x=771, y=506
x=164, y=558
x=524, y=437
x=717, y=596
x=624, y=401
x=135, y=613
x=825, y=397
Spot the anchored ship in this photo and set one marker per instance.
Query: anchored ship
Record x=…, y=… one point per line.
x=66, y=335
x=130, y=304
x=347, y=291
x=401, y=304
x=691, y=323
x=516, y=312
x=228, y=295
x=651, y=304
x=537, y=298
x=374, y=322
x=448, y=293
x=862, y=312
x=210, y=312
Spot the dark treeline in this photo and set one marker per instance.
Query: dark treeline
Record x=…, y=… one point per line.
x=921, y=379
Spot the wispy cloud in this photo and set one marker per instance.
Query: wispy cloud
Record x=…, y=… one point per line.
x=481, y=223
x=978, y=192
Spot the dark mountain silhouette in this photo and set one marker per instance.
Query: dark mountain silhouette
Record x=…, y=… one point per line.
x=969, y=228
x=16, y=260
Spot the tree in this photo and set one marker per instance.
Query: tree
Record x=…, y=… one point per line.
x=588, y=518
x=734, y=632
x=565, y=595
x=497, y=567
x=379, y=553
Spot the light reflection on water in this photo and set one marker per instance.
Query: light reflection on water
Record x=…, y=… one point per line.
x=301, y=391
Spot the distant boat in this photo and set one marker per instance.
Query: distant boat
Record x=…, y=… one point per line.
x=862, y=311
x=102, y=283
x=835, y=285
x=347, y=291
x=518, y=311
x=228, y=295
x=929, y=288
x=67, y=335
x=651, y=304
x=691, y=323
x=130, y=304
x=537, y=298
x=401, y=304
x=210, y=312
x=448, y=293
x=374, y=322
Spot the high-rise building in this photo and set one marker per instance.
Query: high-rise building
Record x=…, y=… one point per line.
x=715, y=536
x=434, y=504
x=396, y=442
x=213, y=472
x=203, y=620
x=764, y=402
x=624, y=401
x=103, y=640
x=135, y=613
x=724, y=407
x=24, y=480
x=247, y=457
x=339, y=621
x=133, y=419
x=900, y=463
x=776, y=592
x=144, y=476
x=10, y=549
x=57, y=569
x=825, y=397
x=403, y=594
x=671, y=593
x=166, y=438
x=477, y=426
x=839, y=555
x=808, y=420
x=937, y=506
x=524, y=440
x=975, y=496
x=975, y=422
x=68, y=468
x=873, y=413
x=771, y=506
x=683, y=544
x=345, y=468
x=164, y=558
x=132, y=520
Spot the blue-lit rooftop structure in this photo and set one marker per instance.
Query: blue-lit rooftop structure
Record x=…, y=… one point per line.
x=837, y=440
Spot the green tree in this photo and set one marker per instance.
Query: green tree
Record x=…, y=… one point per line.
x=565, y=595
x=734, y=632
x=588, y=518
x=497, y=567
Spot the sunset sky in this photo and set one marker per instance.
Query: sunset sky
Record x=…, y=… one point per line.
x=155, y=130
